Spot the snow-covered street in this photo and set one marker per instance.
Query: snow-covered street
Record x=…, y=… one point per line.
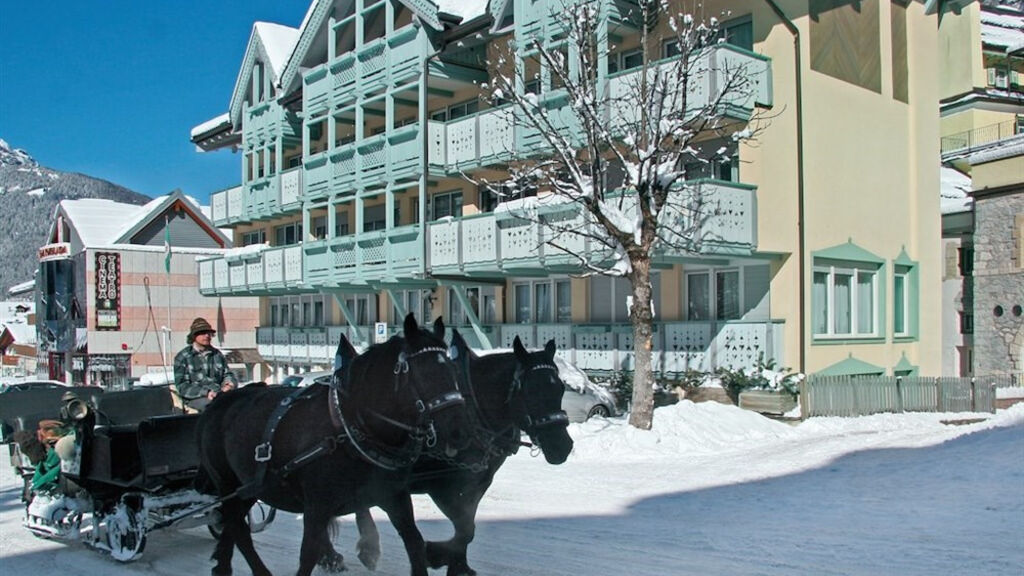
x=711, y=490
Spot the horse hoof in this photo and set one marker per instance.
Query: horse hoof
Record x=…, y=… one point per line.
x=332, y=563
x=461, y=571
x=220, y=571
x=369, y=558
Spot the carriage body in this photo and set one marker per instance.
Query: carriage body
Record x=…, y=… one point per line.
x=131, y=469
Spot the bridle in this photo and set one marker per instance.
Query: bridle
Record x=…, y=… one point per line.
x=421, y=433
x=518, y=390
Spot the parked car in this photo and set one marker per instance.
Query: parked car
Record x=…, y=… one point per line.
x=305, y=379
x=30, y=384
x=583, y=399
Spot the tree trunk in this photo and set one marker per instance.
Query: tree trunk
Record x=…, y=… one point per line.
x=640, y=315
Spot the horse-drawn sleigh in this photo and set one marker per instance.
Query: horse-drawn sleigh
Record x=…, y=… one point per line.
x=127, y=461
x=412, y=414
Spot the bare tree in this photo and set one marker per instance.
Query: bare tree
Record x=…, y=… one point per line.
x=620, y=151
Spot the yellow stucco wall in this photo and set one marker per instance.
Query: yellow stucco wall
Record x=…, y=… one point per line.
x=959, y=48
x=995, y=174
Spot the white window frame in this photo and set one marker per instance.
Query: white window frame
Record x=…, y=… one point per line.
x=552, y=284
x=901, y=273
x=854, y=270
x=712, y=291
x=254, y=237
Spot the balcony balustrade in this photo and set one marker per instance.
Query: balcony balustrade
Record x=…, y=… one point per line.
x=603, y=348
x=245, y=272
x=358, y=259
x=260, y=199
x=715, y=71
x=547, y=236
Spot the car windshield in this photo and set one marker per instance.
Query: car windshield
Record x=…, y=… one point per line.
x=291, y=381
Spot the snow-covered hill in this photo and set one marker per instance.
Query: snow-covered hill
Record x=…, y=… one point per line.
x=28, y=195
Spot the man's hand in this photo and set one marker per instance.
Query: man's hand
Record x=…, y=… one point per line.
x=227, y=386
x=211, y=394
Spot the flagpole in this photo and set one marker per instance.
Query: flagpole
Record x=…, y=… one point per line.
x=167, y=269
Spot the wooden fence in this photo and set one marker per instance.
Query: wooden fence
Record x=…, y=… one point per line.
x=863, y=395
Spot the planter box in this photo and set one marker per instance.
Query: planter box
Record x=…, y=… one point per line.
x=767, y=401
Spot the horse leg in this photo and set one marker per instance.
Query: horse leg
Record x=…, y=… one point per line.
x=315, y=541
x=461, y=510
x=369, y=539
x=330, y=559
x=225, y=549
x=399, y=511
x=237, y=530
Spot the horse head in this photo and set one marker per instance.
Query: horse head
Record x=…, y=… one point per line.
x=536, y=400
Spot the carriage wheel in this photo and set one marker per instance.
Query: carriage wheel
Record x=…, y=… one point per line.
x=258, y=518
x=126, y=532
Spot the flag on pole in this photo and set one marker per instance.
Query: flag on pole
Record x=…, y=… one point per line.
x=167, y=243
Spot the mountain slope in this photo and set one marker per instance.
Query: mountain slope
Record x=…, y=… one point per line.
x=28, y=195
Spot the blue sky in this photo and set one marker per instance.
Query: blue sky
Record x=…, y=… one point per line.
x=112, y=89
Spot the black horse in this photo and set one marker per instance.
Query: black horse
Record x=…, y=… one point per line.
x=325, y=451
x=511, y=391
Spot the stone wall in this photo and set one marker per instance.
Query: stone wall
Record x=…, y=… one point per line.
x=999, y=282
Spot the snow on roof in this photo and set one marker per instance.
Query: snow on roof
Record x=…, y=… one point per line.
x=223, y=119
x=23, y=332
x=1012, y=146
x=465, y=9
x=91, y=218
x=23, y=287
x=278, y=42
x=1001, y=29
x=954, y=191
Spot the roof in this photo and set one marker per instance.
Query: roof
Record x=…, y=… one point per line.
x=272, y=44
x=278, y=42
x=1005, y=148
x=954, y=191
x=465, y=9
x=224, y=120
x=22, y=332
x=91, y=217
x=21, y=288
x=1002, y=29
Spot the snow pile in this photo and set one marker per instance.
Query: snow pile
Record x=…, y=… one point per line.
x=679, y=429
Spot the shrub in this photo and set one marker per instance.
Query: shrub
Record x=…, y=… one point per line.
x=764, y=376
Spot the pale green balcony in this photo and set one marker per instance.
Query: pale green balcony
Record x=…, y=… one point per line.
x=242, y=272
x=543, y=236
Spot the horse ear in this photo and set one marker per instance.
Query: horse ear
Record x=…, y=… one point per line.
x=345, y=353
x=410, y=328
x=549, y=349
x=520, y=351
x=459, y=344
x=439, y=328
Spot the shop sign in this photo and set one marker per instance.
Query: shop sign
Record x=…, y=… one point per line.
x=108, y=291
x=55, y=251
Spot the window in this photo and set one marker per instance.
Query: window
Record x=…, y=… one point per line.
x=374, y=218
x=275, y=319
x=319, y=227
x=626, y=60
x=966, y=257
x=318, y=313
x=739, y=32
x=845, y=299
x=288, y=234
x=254, y=237
x=341, y=224
x=670, y=48
x=456, y=111
x=901, y=302
x=563, y=302
x=297, y=311
x=725, y=285
x=363, y=311
x=966, y=323
x=543, y=302
x=413, y=301
x=446, y=204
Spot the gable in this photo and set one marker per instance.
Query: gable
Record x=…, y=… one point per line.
x=188, y=228
x=312, y=41
x=270, y=45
